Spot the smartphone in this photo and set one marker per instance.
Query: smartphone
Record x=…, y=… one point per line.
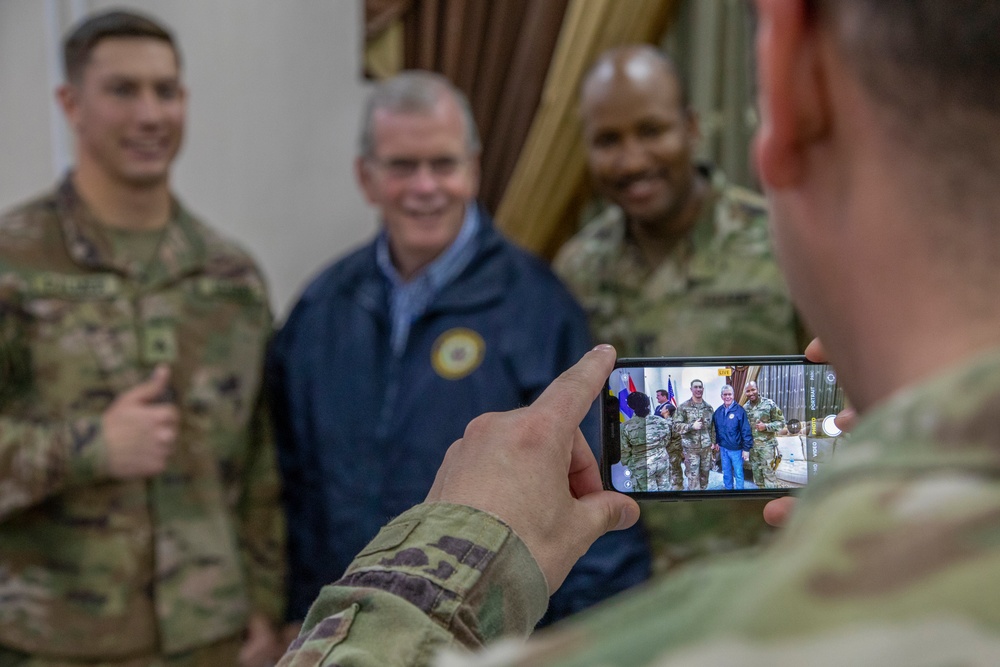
x=710, y=427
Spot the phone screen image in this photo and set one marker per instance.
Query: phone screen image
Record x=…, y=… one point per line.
x=711, y=427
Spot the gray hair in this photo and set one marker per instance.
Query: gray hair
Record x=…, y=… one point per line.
x=729, y=387
x=414, y=91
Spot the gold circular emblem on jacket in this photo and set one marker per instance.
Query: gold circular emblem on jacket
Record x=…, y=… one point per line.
x=457, y=352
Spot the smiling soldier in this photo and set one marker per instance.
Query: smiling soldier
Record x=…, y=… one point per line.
x=139, y=521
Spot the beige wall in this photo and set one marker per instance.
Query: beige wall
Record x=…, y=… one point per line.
x=274, y=102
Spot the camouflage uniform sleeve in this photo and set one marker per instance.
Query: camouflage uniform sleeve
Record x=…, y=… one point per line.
x=38, y=459
x=681, y=421
x=777, y=419
x=262, y=521
x=438, y=576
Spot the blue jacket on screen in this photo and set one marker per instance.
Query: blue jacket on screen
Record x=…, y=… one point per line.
x=732, y=428
x=361, y=432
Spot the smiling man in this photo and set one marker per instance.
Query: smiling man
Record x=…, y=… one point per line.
x=138, y=491
x=679, y=264
x=393, y=349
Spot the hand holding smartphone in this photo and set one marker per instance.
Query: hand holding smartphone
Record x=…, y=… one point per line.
x=704, y=427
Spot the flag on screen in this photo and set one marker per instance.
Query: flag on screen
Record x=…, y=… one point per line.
x=670, y=392
x=625, y=412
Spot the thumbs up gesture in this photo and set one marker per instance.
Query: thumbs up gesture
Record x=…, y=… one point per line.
x=140, y=429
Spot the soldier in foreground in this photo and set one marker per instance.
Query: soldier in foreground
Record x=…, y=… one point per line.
x=675, y=451
x=139, y=519
x=766, y=419
x=693, y=421
x=872, y=150
x=644, y=445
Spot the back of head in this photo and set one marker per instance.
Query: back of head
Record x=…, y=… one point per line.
x=639, y=402
x=932, y=68
x=81, y=40
x=413, y=91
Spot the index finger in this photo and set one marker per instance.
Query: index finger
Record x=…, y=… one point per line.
x=571, y=394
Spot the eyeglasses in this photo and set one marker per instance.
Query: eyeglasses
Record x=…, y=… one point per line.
x=401, y=168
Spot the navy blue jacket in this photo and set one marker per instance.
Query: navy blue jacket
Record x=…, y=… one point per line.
x=361, y=432
x=732, y=433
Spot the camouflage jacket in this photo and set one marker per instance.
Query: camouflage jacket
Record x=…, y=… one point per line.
x=766, y=411
x=719, y=291
x=92, y=567
x=892, y=557
x=640, y=435
x=687, y=414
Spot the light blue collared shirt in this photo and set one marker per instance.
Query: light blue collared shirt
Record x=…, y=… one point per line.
x=408, y=300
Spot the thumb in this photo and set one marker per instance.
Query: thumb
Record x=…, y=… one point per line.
x=153, y=388
x=607, y=511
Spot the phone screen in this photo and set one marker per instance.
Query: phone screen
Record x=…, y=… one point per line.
x=708, y=427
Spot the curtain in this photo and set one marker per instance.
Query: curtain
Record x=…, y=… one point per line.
x=786, y=386
x=384, y=37
x=542, y=202
x=711, y=43
x=738, y=380
x=497, y=53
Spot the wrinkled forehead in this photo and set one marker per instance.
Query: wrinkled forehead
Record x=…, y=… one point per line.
x=438, y=130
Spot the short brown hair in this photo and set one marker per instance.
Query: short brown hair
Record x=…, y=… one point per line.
x=80, y=42
x=922, y=52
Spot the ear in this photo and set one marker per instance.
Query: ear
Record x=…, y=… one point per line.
x=693, y=127
x=68, y=97
x=474, y=174
x=366, y=179
x=791, y=90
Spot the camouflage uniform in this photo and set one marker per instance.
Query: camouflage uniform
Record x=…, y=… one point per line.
x=96, y=568
x=892, y=557
x=658, y=460
x=675, y=454
x=695, y=444
x=718, y=293
x=764, y=443
x=644, y=449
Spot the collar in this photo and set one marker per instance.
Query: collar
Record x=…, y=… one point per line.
x=182, y=250
x=448, y=264
x=485, y=279
x=949, y=419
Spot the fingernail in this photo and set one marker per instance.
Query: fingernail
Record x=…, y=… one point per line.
x=602, y=347
x=622, y=520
